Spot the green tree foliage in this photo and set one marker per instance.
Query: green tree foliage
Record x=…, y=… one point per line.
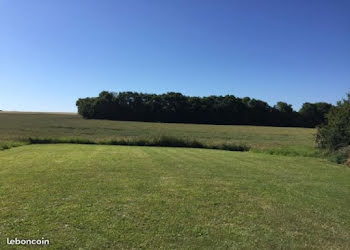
x=336, y=133
x=314, y=113
x=284, y=107
x=175, y=107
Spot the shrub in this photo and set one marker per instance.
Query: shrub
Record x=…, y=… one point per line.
x=162, y=141
x=167, y=141
x=8, y=145
x=59, y=140
x=338, y=157
x=335, y=134
x=231, y=147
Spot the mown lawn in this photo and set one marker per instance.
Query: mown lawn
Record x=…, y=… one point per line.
x=97, y=197
x=16, y=127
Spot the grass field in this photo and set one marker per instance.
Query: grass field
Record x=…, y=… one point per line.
x=122, y=197
x=97, y=197
x=16, y=127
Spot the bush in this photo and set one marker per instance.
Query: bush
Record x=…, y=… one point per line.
x=162, y=141
x=341, y=156
x=231, y=147
x=8, y=145
x=167, y=141
x=59, y=140
x=335, y=134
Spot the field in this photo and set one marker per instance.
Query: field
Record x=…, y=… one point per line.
x=15, y=127
x=128, y=197
x=96, y=197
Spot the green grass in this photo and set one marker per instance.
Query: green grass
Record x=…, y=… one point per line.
x=294, y=151
x=9, y=144
x=97, y=197
x=16, y=127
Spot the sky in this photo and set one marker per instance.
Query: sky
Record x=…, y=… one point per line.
x=54, y=52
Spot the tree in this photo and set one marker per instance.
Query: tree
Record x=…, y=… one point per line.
x=284, y=107
x=336, y=132
x=314, y=113
x=176, y=107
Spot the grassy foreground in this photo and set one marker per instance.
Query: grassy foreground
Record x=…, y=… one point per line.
x=96, y=197
x=16, y=127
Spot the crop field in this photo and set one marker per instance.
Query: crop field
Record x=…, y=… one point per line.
x=97, y=197
x=15, y=127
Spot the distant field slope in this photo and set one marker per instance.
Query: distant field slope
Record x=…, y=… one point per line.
x=98, y=197
x=19, y=126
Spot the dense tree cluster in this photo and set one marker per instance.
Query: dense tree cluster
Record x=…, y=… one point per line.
x=335, y=134
x=175, y=107
x=314, y=113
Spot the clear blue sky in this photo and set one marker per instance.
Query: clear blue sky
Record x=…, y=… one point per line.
x=53, y=52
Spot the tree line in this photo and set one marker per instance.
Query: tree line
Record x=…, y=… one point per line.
x=176, y=107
